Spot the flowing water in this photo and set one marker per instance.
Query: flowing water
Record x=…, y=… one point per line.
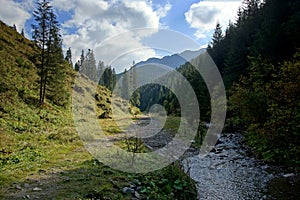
x=228, y=172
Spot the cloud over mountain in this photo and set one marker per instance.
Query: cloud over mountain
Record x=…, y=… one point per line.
x=97, y=21
x=203, y=15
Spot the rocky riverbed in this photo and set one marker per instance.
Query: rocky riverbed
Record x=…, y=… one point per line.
x=230, y=172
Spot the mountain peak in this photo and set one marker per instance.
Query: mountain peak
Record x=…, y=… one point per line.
x=174, y=60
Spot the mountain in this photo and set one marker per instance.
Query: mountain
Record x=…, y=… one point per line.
x=174, y=60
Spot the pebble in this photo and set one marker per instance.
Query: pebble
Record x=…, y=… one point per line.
x=137, y=195
x=128, y=190
x=37, y=189
x=18, y=187
x=288, y=175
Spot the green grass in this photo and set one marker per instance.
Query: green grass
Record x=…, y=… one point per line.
x=172, y=124
x=40, y=148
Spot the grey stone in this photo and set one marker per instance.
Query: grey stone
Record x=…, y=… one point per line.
x=128, y=190
x=37, y=189
x=288, y=175
x=18, y=187
x=137, y=195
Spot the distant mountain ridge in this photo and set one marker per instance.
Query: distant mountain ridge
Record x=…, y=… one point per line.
x=174, y=60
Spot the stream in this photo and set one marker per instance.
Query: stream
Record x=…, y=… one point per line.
x=228, y=172
x=231, y=172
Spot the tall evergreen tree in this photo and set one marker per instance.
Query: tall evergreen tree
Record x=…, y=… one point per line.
x=22, y=32
x=54, y=51
x=91, y=65
x=135, y=98
x=77, y=66
x=218, y=35
x=125, y=85
x=41, y=34
x=52, y=67
x=101, y=68
x=15, y=27
x=88, y=65
x=82, y=68
x=68, y=57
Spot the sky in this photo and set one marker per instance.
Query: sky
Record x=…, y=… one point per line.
x=122, y=31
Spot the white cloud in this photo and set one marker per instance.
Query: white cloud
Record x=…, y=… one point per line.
x=15, y=13
x=96, y=21
x=204, y=15
x=162, y=11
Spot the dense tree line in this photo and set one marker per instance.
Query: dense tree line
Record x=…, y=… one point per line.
x=157, y=94
x=129, y=89
x=104, y=75
x=258, y=57
x=108, y=78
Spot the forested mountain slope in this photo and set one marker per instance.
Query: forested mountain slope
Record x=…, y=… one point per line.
x=259, y=59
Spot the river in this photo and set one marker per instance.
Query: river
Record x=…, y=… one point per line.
x=230, y=172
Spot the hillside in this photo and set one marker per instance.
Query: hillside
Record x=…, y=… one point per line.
x=41, y=154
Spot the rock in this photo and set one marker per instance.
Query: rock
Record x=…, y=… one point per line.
x=218, y=151
x=36, y=189
x=139, y=188
x=219, y=142
x=42, y=171
x=288, y=175
x=104, y=115
x=132, y=185
x=26, y=185
x=137, y=195
x=18, y=187
x=26, y=197
x=128, y=190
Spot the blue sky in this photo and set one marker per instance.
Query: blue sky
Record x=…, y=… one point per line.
x=120, y=31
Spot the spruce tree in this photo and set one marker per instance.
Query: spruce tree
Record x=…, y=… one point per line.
x=135, y=98
x=77, y=66
x=100, y=69
x=52, y=67
x=68, y=57
x=41, y=33
x=218, y=35
x=22, y=32
x=125, y=85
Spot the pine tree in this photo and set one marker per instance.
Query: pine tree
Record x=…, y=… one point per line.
x=22, y=32
x=41, y=32
x=135, y=98
x=15, y=27
x=88, y=65
x=101, y=68
x=114, y=78
x=52, y=68
x=77, y=66
x=68, y=57
x=218, y=35
x=82, y=68
x=125, y=85
x=91, y=65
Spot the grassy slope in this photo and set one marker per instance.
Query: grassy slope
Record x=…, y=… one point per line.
x=39, y=147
